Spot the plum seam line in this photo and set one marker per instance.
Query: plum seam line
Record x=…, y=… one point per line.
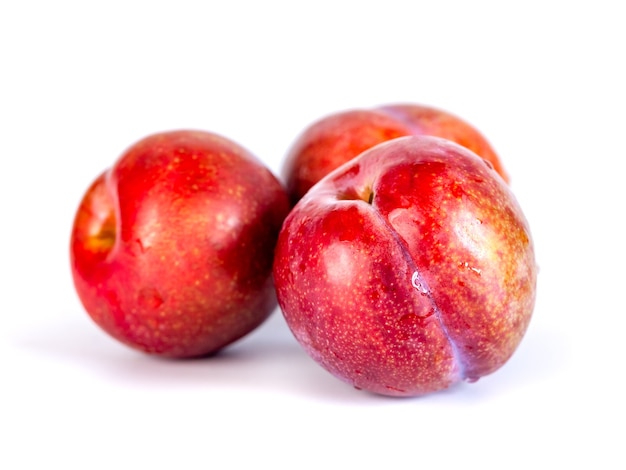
x=426, y=288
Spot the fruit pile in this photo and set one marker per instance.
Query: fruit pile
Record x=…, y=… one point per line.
x=398, y=254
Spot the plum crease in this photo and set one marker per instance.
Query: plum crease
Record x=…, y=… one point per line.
x=423, y=289
x=402, y=117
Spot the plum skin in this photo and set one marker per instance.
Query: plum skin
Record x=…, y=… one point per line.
x=409, y=269
x=337, y=138
x=172, y=247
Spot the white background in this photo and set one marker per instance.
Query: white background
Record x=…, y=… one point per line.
x=80, y=82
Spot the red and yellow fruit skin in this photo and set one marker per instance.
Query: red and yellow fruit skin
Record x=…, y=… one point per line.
x=172, y=248
x=408, y=269
x=339, y=137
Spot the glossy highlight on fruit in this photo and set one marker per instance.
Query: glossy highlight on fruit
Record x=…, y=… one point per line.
x=172, y=247
x=339, y=137
x=409, y=269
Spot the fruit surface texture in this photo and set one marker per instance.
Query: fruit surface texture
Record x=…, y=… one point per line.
x=339, y=137
x=172, y=247
x=408, y=269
